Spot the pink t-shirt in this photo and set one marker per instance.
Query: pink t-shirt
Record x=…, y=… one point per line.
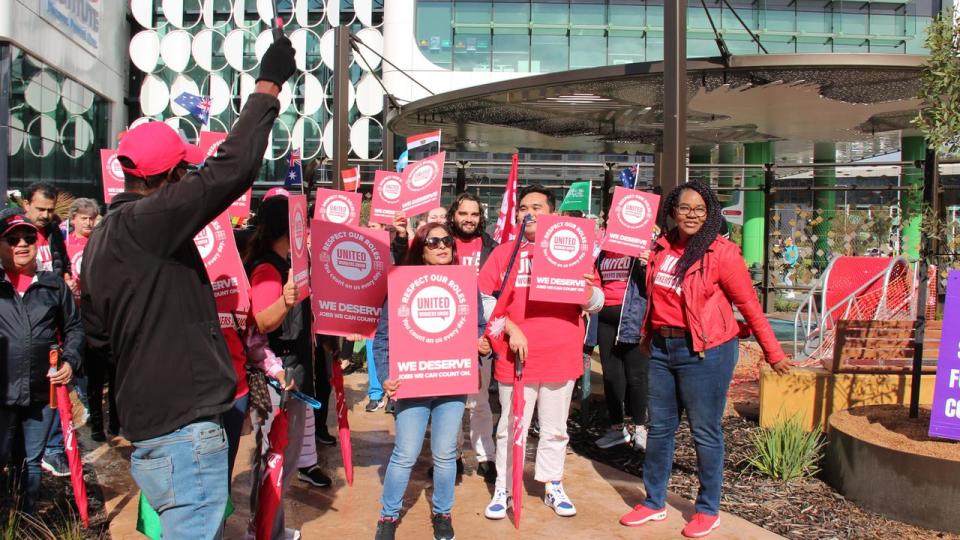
x=75, y=246
x=666, y=296
x=265, y=287
x=44, y=255
x=469, y=252
x=614, y=273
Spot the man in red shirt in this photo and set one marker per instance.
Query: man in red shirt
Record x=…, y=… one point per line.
x=474, y=246
x=548, y=338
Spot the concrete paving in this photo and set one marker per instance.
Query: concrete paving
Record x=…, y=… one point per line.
x=601, y=494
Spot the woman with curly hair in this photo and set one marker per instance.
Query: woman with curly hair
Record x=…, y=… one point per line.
x=693, y=277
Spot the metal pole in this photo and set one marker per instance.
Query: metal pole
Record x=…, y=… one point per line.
x=605, y=197
x=931, y=188
x=341, y=82
x=5, y=90
x=769, y=174
x=388, y=113
x=673, y=171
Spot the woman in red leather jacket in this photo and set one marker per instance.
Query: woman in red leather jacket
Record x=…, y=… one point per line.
x=693, y=277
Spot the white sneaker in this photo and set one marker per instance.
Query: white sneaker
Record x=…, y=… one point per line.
x=291, y=534
x=639, y=438
x=497, y=509
x=613, y=437
x=557, y=499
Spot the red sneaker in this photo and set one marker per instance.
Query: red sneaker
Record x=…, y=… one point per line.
x=701, y=525
x=642, y=514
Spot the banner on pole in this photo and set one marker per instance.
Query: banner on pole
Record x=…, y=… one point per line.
x=630, y=225
x=298, y=245
x=945, y=411
x=563, y=253
x=433, y=330
x=112, y=174
x=337, y=206
x=218, y=249
x=351, y=178
x=349, y=278
x=387, y=189
x=577, y=197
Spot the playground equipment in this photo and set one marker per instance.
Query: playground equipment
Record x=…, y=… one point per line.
x=851, y=289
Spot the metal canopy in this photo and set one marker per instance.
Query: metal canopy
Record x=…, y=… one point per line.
x=795, y=97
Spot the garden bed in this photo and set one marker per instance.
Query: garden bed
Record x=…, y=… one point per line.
x=804, y=509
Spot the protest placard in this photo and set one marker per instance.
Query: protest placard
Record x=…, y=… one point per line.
x=630, y=225
x=562, y=254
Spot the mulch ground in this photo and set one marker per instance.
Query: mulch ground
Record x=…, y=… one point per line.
x=803, y=509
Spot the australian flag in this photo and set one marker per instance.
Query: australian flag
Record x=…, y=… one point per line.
x=197, y=106
x=294, y=178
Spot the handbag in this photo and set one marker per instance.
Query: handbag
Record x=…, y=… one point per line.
x=256, y=379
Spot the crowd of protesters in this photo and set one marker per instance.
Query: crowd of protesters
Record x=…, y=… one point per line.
x=127, y=299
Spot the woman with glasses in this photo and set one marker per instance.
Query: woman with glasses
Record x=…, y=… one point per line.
x=37, y=314
x=433, y=244
x=693, y=277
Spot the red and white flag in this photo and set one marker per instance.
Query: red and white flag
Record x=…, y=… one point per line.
x=506, y=221
x=416, y=141
x=351, y=178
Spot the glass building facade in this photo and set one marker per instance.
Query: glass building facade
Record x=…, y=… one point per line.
x=558, y=35
x=56, y=126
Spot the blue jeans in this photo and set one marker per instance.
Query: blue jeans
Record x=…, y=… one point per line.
x=54, y=443
x=412, y=418
x=183, y=475
x=680, y=380
x=35, y=421
x=374, y=388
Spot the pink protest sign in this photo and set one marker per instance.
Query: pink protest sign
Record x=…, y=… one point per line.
x=298, y=224
x=422, y=181
x=387, y=189
x=562, y=254
x=433, y=330
x=210, y=142
x=632, y=217
x=337, y=206
x=218, y=249
x=349, y=278
x=112, y=174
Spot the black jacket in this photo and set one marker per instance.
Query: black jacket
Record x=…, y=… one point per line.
x=150, y=295
x=400, y=245
x=29, y=325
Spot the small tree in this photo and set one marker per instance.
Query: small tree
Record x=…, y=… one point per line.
x=939, y=116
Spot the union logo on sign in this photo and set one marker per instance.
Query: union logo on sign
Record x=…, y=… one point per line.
x=390, y=189
x=209, y=243
x=113, y=165
x=299, y=229
x=564, y=244
x=337, y=211
x=634, y=211
x=421, y=176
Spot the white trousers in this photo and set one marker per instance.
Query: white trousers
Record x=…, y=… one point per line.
x=553, y=405
x=481, y=417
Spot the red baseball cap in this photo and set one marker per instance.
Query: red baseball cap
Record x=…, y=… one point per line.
x=276, y=192
x=14, y=221
x=155, y=148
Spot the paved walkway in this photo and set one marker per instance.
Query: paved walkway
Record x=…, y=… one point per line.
x=601, y=494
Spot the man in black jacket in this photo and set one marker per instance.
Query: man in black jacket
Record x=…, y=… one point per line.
x=39, y=204
x=36, y=312
x=150, y=297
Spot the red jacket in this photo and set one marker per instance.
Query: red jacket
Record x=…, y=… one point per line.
x=709, y=287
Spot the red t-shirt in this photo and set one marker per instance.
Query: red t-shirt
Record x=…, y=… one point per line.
x=469, y=252
x=265, y=287
x=20, y=282
x=554, y=331
x=666, y=297
x=44, y=255
x=614, y=273
x=75, y=246
x=235, y=346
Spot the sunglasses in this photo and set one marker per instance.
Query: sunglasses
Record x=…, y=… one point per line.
x=14, y=239
x=435, y=242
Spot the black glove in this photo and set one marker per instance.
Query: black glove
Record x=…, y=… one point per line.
x=278, y=62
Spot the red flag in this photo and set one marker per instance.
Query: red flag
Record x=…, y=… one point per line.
x=506, y=221
x=271, y=488
x=351, y=178
x=519, y=443
x=343, y=423
x=73, y=453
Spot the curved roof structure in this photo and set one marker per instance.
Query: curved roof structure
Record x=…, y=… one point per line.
x=795, y=97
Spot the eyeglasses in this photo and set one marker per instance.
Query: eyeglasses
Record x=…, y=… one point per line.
x=14, y=239
x=434, y=242
x=684, y=210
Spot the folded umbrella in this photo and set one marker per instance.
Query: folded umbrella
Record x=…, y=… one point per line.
x=343, y=423
x=73, y=453
x=519, y=442
x=270, y=495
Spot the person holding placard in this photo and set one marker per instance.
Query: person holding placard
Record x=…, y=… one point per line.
x=548, y=338
x=433, y=244
x=694, y=276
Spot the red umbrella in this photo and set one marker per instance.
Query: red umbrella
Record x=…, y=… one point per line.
x=73, y=453
x=271, y=488
x=343, y=423
x=519, y=440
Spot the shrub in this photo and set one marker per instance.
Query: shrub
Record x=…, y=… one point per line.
x=785, y=451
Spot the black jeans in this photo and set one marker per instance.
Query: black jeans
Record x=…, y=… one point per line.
x=624, y=371
x=323, y=369
x=100, y=371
